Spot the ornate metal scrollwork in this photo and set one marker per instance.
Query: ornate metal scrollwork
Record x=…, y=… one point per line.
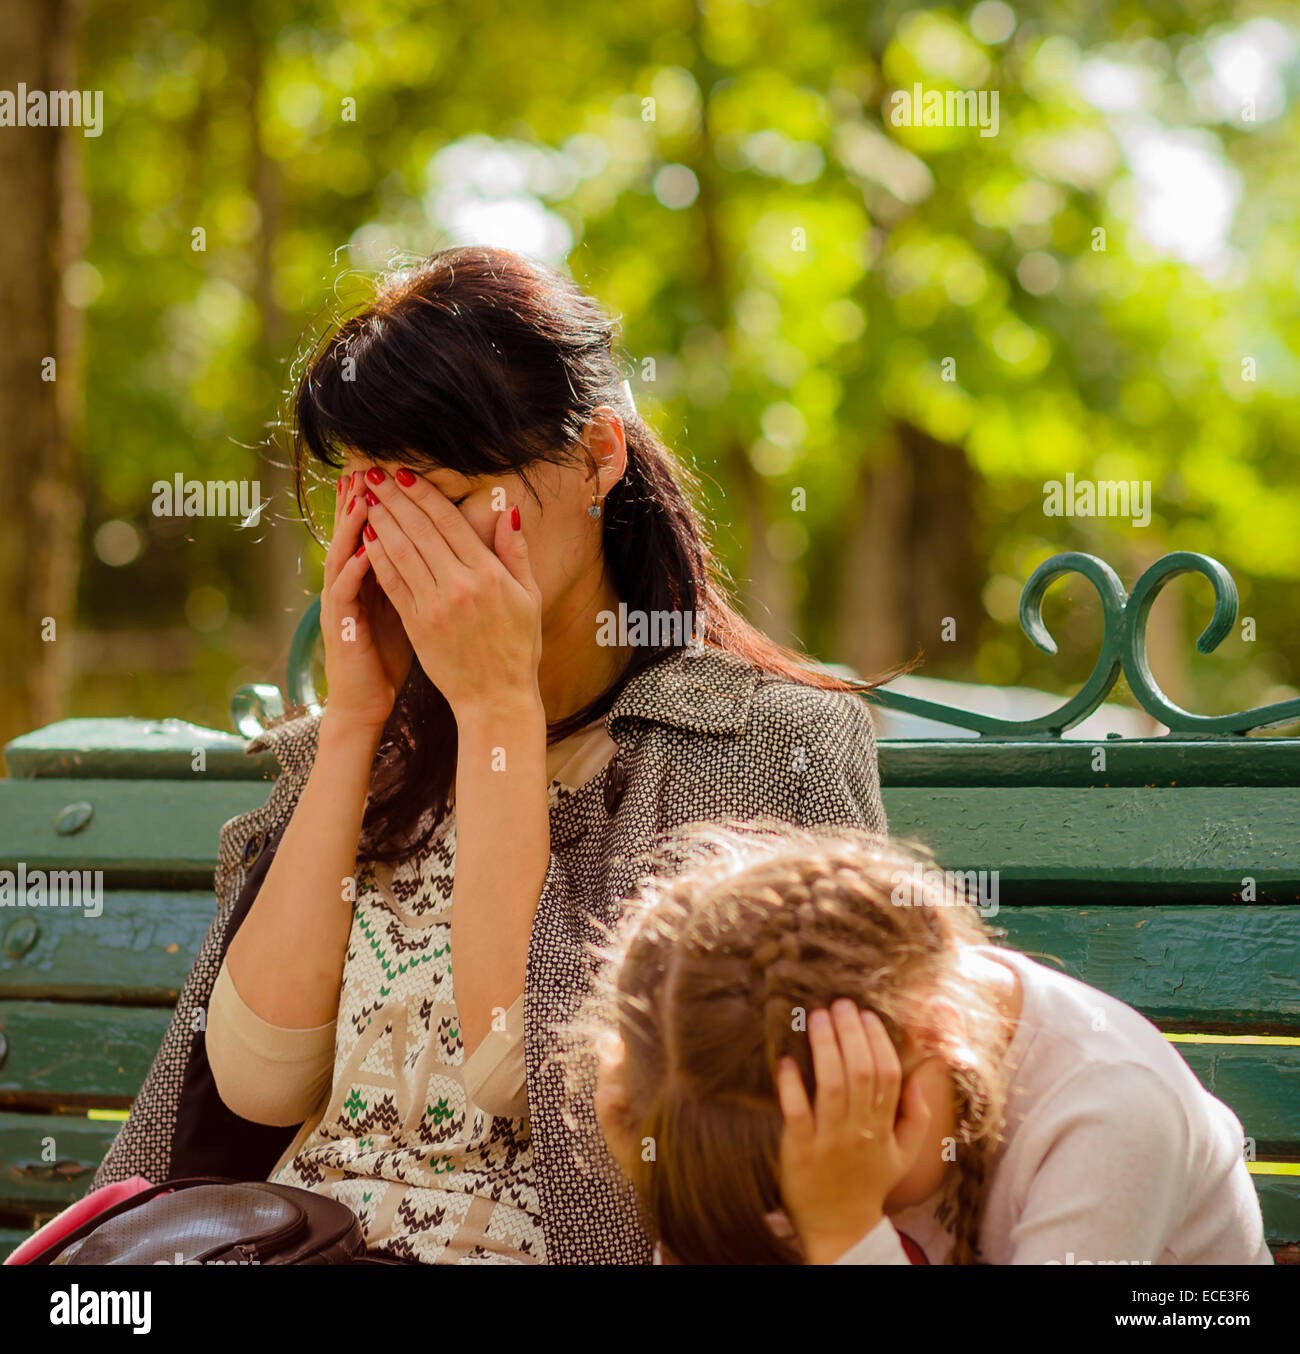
x=1123, y=648
x=302, y=689
x=252, y=708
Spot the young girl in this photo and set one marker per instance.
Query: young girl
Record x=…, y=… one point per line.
x=493, y=758
x=807, y=1057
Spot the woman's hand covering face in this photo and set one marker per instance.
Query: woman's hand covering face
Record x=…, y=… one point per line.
x=367, y=653
x=472, y=612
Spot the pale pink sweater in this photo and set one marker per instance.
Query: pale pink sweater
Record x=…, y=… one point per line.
x=1114, y=1153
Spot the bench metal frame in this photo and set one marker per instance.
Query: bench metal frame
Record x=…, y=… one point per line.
x=1165, y=871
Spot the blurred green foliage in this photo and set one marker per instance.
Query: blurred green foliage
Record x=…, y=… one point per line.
x=678, y=158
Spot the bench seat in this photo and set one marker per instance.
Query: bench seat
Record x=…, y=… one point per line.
x=1172, y=882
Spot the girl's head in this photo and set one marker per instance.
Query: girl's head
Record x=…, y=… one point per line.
x=494, y=377
x=709, y=984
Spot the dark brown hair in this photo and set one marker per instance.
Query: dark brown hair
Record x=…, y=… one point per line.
x=737, y=932
x=480, y=361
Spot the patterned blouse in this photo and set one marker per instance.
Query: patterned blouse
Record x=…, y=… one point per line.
x=430, y=1150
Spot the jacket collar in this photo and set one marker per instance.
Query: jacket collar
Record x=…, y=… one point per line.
x=700, y=689
x=288, y=741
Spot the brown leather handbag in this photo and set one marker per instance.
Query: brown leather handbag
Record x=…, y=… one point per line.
x=208, y=1220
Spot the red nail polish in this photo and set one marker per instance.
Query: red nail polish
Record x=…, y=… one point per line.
x=352, y=503
x=368, y=532
x=404, y=477
x=361, y=550
x=514, y=519
x=341, y=479
x=370, y=498
x=375, y=475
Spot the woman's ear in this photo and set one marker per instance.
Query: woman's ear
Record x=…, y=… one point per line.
x=606, y=444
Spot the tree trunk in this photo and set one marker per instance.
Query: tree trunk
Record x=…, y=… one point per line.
x=41, y=385
x=766, y=595
x=286, y=592
x=874, y=595
x=912, y=578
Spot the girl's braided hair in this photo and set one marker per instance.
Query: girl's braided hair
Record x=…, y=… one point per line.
x=739, y=932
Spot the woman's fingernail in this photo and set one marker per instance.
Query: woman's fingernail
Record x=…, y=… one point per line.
x=819, y=1019
x=341, y=479
x=514, y=519
x=404, y=477
x=375, y=475
x=368, y=532
x=361, y=550
x=352, y=503
x=370, y=498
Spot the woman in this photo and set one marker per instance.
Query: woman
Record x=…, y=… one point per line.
x=833, y=1065
x=486, y=777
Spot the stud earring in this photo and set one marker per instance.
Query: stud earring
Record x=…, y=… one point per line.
x=594, y=509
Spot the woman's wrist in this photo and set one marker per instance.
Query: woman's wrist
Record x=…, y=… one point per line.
x=514, y=709
x=342, y=732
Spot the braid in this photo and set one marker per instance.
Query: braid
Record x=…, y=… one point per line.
x=977, y=1142
x=974, y=1162
x=775, y=970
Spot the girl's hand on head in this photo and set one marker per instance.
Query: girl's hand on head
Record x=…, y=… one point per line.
x=367, y=653
x=840, y=1160
x=472, y=613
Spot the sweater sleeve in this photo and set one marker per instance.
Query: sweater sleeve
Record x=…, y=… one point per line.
x=494, y=1073
x=841, y=781
x=267, y=1073
x=1101, y=1176
x=880, y=1246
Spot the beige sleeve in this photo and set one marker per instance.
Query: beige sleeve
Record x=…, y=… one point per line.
x=263, y=1072
x=494, y=1073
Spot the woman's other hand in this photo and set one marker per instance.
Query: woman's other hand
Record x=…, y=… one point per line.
x=367, y=653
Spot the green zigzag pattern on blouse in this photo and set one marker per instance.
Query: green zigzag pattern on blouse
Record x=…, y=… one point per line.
x=391, y=971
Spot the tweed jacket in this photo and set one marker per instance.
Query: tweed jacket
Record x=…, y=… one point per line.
x=701, y=735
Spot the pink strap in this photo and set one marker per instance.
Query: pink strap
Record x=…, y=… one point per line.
x=74, y=1215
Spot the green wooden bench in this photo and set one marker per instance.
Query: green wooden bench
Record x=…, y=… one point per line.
x=1166, y=873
